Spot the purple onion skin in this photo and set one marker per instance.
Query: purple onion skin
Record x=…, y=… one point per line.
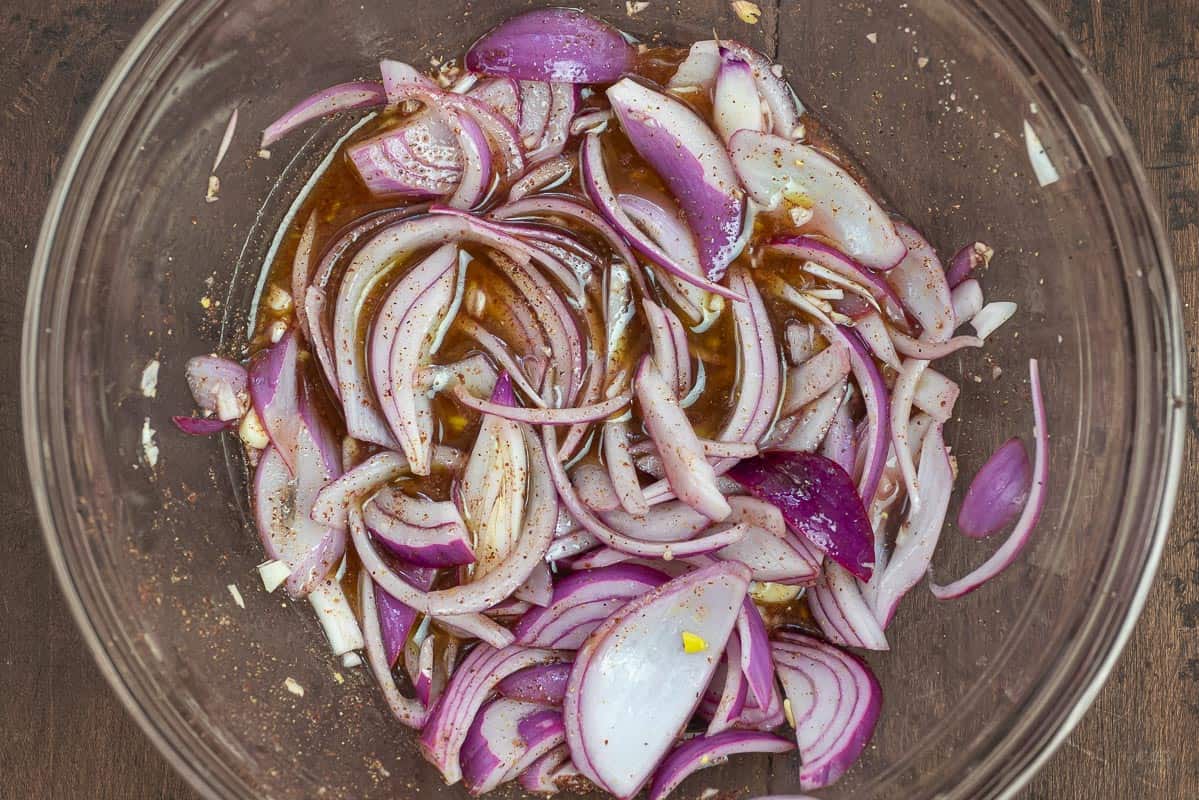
x=560, y=45
x=545, y=683
x=998, y=492
x=395, y=622
x=503, y=395
x=819, y=501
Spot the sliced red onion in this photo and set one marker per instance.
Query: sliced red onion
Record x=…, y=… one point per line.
x=544, y=683
x=480, y=672
x=773, y=169
x=581, y=601
x=668, y=522
x=991, y=316
x=203, y=426
x=813, y=423
x=593, y=121
x=919, y=281
x=599, y=190
x=902, y=396
x=835, y=701
x=547, y=774
x=333, y=502
x=690, y=475
x=840, y=444
x=693, y=163
x=709, y=751
x=409, y=712
x=543, y=176
x=497, y=746
x=475, y=626
x=842, y=612
x=395, y=618
x=342, y=97
x=818, y=501
x=476, y=179
x=767, y=548
x=544, y=416
x=397, y=76
x=1022, y=532
x=538, y=588
x=931, y=351
x=619, y=541
x=670, y=235
x=801, y=341
x=622, y=471
x=404, y=325
x=540, y=516
x=920, y=531
x=814, y=377
x=998, y=492
x=564, y=102
x=274, y=390
x=756, y=662
x=594, y=487
x=662, y=344
x=553, y=44
x=967, y=299
x=878, y=415
x=702, y=65
x=421, y=158
x=616, y=684
x=936, y=395
x=809, y=249
x=301, y=274
x=767, y=717
x=733, y=690
x=502, y=95
x=570, y=545
x=446, y=545
x=536, y=99
x=760, y=389
x=875, y=334
x=219, y=386
x=736, y=104
x=965, y=261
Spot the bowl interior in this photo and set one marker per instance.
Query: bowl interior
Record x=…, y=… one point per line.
x=941, y=101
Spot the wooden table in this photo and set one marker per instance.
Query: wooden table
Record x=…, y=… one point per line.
x=64, y=735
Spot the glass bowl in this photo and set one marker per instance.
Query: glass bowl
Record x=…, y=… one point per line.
x=941, y=101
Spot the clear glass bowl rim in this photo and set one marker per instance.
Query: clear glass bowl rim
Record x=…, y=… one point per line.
x=1006, y=775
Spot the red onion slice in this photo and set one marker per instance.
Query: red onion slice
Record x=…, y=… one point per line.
x=274, y=390
x=404, y=326
x=622, y=471
x=543, y=416
x=966, y=261
x=878, y=415
x=219, y=386
x=812, y=424
x=818, y=501
x=809, y=249
x=538, y=588
x=342, y=97
x=687, y=470
x=767, y=548
x=1037, y=493
x=931, y=351
x=544, y=683
x=736, y=104
x=581, y=601
x=733, y=690
x=902, y=395
x=842, y=612
x=599, y=190
x=772, y=169
x=548, y=774
x=820, y=373
x=756, y=662
x=564, y=102
x=498, y=743
x=476, y=180
x=967, y=299
x=936, y=395
x=919, y=281
x=546, y=175
x=503, y=96
x=553, y=44
x=616, y=684
x=701, y=67
x=409, y=712
x=835, y=700
x=398, y=76
x=443, y=545
x=693, y=163
x=477, y=676
x=536, y=100
x=919, y=533
x=998, y=492
x=708, y=751
x=421, y=158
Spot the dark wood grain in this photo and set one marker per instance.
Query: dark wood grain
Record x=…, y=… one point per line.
x=64, y=735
